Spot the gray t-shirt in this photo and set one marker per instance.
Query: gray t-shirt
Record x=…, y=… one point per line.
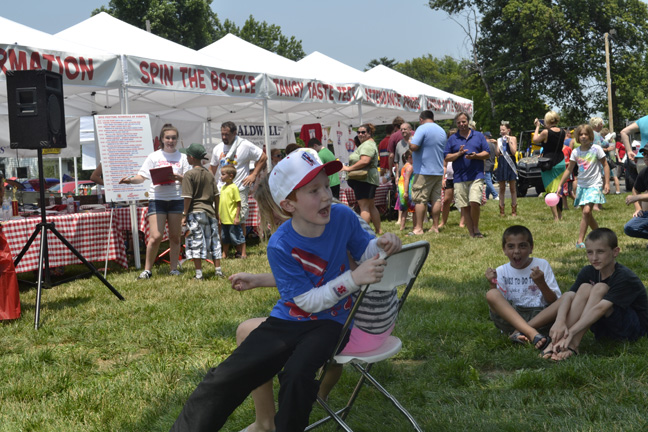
x=490, y=162
x=401, y=147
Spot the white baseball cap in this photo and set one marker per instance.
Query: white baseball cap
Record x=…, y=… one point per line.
x=297, y=170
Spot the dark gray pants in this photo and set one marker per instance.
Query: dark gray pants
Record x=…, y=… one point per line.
x=300, y=348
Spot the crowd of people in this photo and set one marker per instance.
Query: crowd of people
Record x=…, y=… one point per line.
x=321, y=251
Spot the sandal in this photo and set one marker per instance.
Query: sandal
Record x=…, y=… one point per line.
x=580, y=245
x=516, y=338
x=538, y=338
x=546, y=354
x=573, y=353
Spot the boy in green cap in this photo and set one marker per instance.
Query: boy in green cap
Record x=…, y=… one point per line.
x=200, y=216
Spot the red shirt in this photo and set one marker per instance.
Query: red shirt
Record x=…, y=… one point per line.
x=621, y=148
x=383, y=152
x=567, y=152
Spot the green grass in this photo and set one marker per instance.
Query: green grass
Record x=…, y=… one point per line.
x=99, y=364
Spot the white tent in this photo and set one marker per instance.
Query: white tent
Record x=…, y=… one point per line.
x=242, y=55
x=85, y=71
x=443, y=104
x=164, y=78
x=235, y=80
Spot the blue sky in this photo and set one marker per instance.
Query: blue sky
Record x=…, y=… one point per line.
x=353, y=32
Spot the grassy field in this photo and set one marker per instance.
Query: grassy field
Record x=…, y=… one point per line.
x=100, y=364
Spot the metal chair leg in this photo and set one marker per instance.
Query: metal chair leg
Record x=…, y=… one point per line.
x=372, y=380
x=333, y=415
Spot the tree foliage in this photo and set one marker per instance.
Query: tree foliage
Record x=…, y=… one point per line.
x=540, y=54
x=454, y=76
x=192, y=23
x=267, y=36
x=390, y=63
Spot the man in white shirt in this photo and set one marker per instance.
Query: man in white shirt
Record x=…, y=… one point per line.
x=239, y=152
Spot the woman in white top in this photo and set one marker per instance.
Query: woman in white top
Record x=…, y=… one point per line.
x=165, y=202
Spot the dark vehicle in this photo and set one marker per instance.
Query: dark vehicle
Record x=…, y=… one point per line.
x=630, y=168
x=529, y=175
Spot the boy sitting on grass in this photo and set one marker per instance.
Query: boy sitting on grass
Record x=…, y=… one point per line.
x=199, y=216
x=521, y=289
x=607, y=298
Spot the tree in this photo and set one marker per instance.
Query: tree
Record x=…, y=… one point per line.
x=454, y=76
x=266, y=36
x=192, y=23
x=538, y=54
x=390, y=63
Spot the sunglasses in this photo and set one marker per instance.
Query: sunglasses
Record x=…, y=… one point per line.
x=362, y=132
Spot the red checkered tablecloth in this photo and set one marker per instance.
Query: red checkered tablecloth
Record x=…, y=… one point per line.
x=87, y=232
x=347, y=196
x=253, y=217
x=381, y=195
x=122, y=217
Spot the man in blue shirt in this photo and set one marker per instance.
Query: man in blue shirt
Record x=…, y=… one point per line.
x=427, y=157
x=467, y=150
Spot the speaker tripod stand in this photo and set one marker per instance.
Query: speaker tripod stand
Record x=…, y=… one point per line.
x=43, y=258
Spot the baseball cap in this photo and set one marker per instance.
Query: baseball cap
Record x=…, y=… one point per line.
x=297, y=170
x=195, y=150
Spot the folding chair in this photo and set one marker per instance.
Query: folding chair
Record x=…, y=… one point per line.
x=402, y=270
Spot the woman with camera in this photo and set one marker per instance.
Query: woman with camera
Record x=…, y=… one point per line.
x=552, y=162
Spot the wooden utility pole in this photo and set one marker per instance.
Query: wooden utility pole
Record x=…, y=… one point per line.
x=609, y=82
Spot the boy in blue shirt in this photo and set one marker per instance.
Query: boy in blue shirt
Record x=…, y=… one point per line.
x=308, y=258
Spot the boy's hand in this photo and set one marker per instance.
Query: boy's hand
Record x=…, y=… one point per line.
x=370, y=271
x=558, y=331
x=491, y=276
x=563, y=344
x=606, y=189
x=243, y=281
x=237, y=221
x=537, y=274
x=390, y=243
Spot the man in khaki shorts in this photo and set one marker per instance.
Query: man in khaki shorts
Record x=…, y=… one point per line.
x=467, y=150
x=427, y=160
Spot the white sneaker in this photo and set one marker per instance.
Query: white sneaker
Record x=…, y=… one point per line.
x=174, y=273
x=219, y=273
x=146, y=274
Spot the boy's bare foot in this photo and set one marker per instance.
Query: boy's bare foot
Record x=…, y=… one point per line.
x=433, y=230
x=254, y=427
x=565, y=354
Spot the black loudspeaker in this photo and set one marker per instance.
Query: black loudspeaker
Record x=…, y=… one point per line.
x=36, y=111
x=22, y=172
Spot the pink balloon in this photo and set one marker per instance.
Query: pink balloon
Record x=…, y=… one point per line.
x=552, y=199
